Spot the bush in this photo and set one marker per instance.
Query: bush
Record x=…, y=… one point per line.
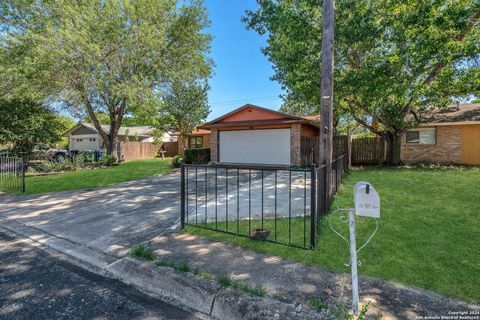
x=176, y=162
x=198, y=155
x=108, y=161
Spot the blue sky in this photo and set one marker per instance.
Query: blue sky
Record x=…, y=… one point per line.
x=242, y=73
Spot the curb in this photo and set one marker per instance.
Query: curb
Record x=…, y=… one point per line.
x=205, y=296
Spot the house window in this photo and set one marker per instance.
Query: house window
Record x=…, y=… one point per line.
x=93, y=139
x=196, y=142
x=421, y=136
x=79, y=140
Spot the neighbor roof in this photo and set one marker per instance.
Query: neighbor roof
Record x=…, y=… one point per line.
x=456, y=113
x=122, y=131
x=195, y=132
x=281, y=117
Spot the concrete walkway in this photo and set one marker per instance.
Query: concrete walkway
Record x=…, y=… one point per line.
x=289, y=281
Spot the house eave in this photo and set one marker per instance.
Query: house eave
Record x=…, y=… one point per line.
x=457, y=123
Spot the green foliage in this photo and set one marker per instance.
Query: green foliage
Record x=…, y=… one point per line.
x=318, y=304
x=197, y=155
x=393, y=58
x=108, y=161
x=177, y=162
x=225, y=281
x=114, y=58
x=143, y=252
x=185, y=106
x=25, y=123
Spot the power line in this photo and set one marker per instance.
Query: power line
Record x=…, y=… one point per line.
x=246, y=99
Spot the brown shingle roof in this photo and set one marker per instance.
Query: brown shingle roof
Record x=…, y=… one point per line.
x=457, y=113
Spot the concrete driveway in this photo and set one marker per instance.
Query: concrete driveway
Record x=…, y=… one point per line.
x=109, y=219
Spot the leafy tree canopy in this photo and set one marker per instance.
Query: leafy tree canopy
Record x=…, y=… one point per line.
x=393, y=59
x=113, y=57
x=185, y=106
x=25, y=123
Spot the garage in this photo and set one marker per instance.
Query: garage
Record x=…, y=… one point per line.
x=269, y=146
x=84, y=142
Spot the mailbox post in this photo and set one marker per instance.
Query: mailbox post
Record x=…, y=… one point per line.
x=367, y=204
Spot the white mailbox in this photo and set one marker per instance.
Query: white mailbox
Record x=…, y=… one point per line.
x=367, y=200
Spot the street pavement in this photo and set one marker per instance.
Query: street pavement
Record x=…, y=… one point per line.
x=37, y=285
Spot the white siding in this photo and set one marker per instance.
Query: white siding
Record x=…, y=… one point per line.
x=85, y=142
x=270, y=146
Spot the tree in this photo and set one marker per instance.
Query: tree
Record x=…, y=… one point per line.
x=186, y=106
x=113, y=57
x=394, y=59
x=24, y=124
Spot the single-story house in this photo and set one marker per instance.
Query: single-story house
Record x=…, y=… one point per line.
x=451, y=135
x=256, y=135
x=198, y=138
x=84, y=136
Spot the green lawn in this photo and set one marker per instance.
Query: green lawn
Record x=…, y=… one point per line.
x=429, y=234
x=92, y=178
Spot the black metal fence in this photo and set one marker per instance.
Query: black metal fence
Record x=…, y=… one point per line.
x=274, y=204
x=328, y=186
x=12, y=174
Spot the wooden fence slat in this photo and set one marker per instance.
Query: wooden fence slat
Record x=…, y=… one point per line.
x=368, y=151
x=137, y=150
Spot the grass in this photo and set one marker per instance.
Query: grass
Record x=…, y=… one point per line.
x=428, y=237
x=142, y=252
x=92, y=178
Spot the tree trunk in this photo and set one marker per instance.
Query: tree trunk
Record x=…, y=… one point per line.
x=111, y=145
x=393, y=140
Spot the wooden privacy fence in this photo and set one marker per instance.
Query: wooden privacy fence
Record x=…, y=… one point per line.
x=171, y=148
x=309, y=149
x=368, y=151
x=137, y=150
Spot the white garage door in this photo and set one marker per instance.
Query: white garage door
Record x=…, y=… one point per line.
x=84, y=143
x=270, y=146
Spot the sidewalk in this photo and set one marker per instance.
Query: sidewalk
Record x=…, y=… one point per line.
x=289, y=281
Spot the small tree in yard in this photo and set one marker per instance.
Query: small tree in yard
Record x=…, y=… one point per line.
x=185, y=106
x=394, y=59
x=110, y=57
x=25, y=124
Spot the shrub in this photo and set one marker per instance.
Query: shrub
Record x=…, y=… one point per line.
x=198, y=155
x=176, y=162
x=108, y=161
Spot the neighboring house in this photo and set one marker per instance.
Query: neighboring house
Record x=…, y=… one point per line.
x=198, y=138
x=84, y=136
x=446, y=136
x=255, y=135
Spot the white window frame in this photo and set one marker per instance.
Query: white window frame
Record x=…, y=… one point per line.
x=420, y=130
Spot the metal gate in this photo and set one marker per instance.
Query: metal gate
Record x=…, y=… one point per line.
x=12, y=174
x=273, y=204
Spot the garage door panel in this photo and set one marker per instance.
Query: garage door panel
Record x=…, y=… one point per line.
x=270, y=146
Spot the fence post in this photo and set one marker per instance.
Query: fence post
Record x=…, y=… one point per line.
x=24, y=168
x=313, y=206
x=182, y=196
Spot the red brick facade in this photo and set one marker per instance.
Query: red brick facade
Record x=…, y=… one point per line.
x=448, y=147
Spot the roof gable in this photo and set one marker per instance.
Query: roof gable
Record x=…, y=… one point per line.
x=250, y=112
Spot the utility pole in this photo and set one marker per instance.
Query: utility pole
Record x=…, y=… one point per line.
x=326, y=98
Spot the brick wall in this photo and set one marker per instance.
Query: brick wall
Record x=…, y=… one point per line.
x=214, y=145
x=295, y=142
x=448, y=148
